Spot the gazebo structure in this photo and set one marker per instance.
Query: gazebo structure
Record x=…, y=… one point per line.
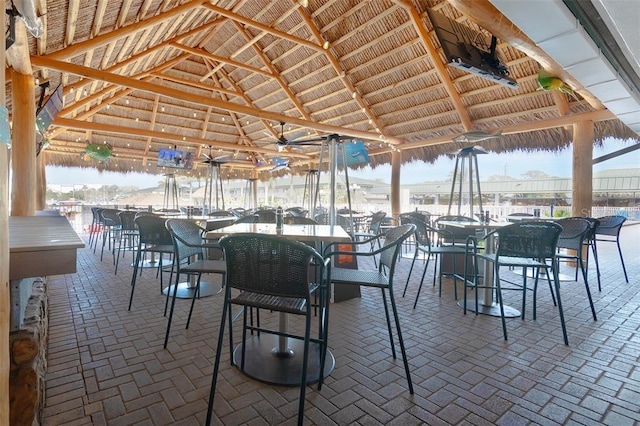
x=145, y=75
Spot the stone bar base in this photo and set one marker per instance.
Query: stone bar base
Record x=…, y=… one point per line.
x=28, y=360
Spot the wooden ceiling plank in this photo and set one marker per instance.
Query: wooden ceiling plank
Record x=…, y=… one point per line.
x=346, y=82
x=41, y=42
x=152, y=123
x=281, y=34
x=195, y=84
x=144, y=9
x=84, y=46
x=255, y=38
x=203, y=53
x=276, y=75
x=98, y=18
x=124, y=13
x=72, y=109
x=72, y=21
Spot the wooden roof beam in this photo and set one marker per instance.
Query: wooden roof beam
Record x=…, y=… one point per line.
x=198, y=99
x=185, y=140
x=276, y=75
x=281, y=34
x=563, y=121
x=459, y=106
x=101, y=40
x=342, y=74
x=203, y=53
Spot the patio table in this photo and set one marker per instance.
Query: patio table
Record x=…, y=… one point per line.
x=277, y=359
x=486, y=304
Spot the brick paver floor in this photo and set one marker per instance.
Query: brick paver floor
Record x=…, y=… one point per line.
x=106, y=365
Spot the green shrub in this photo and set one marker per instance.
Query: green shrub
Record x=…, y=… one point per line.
x=561, y=213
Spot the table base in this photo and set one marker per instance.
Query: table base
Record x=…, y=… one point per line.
x=266, y=365
x=186, y=289
x=152, y=263
x=491, y=310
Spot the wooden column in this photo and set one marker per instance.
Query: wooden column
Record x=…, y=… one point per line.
x=396, y=164
x=23, y=148
x=4, y=251
x=41, y=182
x=582, y=182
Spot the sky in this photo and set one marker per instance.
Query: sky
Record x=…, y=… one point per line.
x=513, y=164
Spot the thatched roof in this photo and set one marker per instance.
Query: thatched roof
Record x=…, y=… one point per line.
x=143, y=75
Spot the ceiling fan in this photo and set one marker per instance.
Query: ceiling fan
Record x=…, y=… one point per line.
x=284, y=143
x=477, y=136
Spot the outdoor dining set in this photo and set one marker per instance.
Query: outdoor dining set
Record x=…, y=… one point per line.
x=297, y=266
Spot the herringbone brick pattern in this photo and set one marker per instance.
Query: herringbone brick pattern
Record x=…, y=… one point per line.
x=106, y=365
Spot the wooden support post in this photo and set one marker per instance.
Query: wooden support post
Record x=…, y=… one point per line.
x=4, y=251
x=582, y=182
x=23, y=148
x=41, y=181
x=396, y=164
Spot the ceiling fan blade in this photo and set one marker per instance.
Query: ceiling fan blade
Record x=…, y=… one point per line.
x=477, y=136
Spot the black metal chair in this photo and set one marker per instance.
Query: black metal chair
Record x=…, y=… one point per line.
x=190, y=258
x=590, y=245
x=153, y=238
x=455, y=235
x=96, y=227
x=252, y=218
x=608, y=230
x=382, y=277
x=374, y=229
x=575, y=232
x=424, y=244
x=110, y=231
x=273, y=273
x=128, y=235
x=520, y=245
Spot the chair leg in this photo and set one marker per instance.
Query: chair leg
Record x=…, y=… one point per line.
x=586, y=286
x=386, y=312
x=216, y=364
x=496, y=274
x=624, y=269
x=594, y=249
x=323, y=335
x=409, y=274
x=193, y=300
x=400, y=340
x=303, y=374
x=556, y=283
x=173, y=303
x=134, y=278
x=415, y=303
x=524, y=291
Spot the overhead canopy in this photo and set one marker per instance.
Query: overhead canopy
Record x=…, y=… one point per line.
x=146, y=75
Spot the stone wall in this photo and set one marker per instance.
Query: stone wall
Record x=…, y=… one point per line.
x=28, y=360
